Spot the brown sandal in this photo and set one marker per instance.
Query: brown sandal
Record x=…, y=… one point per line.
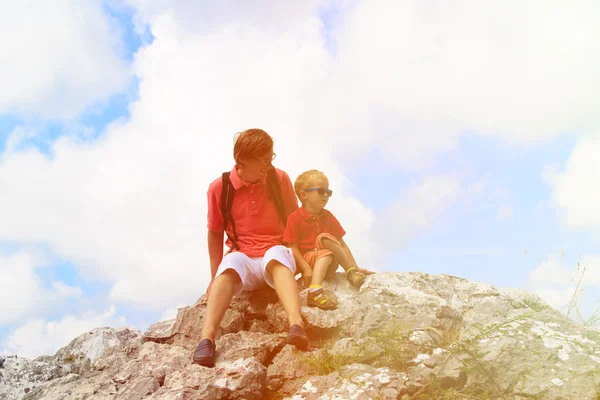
x=355, y=277
x=322, y=299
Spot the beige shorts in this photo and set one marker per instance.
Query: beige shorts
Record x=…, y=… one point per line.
x=253, y=270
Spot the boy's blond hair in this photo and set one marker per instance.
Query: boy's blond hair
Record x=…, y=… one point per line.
x=308, y=179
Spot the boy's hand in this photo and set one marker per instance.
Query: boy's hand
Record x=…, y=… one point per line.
x=307, y=278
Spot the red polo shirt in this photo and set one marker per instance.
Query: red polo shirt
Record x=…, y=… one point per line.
x=257, y=223
x=302, y=228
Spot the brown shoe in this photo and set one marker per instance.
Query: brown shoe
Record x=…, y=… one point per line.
x=297, y=337
x=322, y=299
x=355, y=277
x=205, y=353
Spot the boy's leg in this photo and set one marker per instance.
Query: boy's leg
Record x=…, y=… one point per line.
x=338, y=252
x=353, y=272
x=317, y=296
x=345, y=261
x=320, y=269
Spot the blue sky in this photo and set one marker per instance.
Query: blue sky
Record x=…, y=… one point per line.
x=104, y=184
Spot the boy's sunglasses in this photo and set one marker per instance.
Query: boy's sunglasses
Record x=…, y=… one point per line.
x=320, y=190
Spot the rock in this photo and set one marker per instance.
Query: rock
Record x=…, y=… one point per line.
x=261, y=346
x=186, y=329
x=288, y=367
x=161, y=332
x=85, y=349
x=356, y=381
x=401, y=335
x=142, y=387
x=21, y=375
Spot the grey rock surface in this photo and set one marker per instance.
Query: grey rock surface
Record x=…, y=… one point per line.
x=401, y=336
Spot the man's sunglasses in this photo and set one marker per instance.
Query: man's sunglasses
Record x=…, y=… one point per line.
x=320, y=190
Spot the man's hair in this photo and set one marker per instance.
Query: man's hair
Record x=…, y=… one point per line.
x=251, y=143
x=307, y=179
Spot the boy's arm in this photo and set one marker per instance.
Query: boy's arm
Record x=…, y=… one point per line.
x=301, y=264
x=351, y=257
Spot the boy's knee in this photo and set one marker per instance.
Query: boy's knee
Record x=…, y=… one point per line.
x=328, y=243
x=328, y=259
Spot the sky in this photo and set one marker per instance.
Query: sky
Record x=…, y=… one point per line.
x=459, y=137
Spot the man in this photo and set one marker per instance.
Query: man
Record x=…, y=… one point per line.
x=256, y=257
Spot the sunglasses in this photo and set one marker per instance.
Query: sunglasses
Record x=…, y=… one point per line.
x=321, y=191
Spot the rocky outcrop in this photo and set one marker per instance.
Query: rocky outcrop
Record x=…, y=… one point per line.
x=401, y=336
x=19, y=376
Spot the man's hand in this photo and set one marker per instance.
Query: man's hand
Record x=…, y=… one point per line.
x=307, y=278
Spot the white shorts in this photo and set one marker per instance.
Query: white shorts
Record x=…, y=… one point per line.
x=253, y=270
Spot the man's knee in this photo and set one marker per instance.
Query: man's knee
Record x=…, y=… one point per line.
x=275, y=266
x=230, y=275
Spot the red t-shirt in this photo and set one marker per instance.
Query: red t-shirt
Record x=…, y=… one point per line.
x=257, y=223
x=302, y=228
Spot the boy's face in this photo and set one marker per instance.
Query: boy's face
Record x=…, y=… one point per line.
x=316, y=195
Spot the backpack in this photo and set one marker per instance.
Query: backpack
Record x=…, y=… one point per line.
x=228, y=191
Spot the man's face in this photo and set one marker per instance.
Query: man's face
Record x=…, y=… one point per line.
x=257, y=167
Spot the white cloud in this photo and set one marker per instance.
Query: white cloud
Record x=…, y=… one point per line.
x=64, y=290
x=404, y=80
x=575, y=189
x=504, y=213
x=58, y=59
x=40, y=337
x=415, y=210
x=551, y=271
x=21, y=288
x=557, y=283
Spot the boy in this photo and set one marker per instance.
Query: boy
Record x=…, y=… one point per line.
x=315, y=236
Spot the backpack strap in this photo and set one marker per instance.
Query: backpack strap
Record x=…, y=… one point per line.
x=275, y=194
x=227, y=193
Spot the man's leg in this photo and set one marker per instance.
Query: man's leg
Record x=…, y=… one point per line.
x=219, y=299
x=232, y=269
x=287, y=291
x=279, y=269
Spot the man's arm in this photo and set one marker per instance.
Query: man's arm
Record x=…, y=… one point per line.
x=215, y=251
